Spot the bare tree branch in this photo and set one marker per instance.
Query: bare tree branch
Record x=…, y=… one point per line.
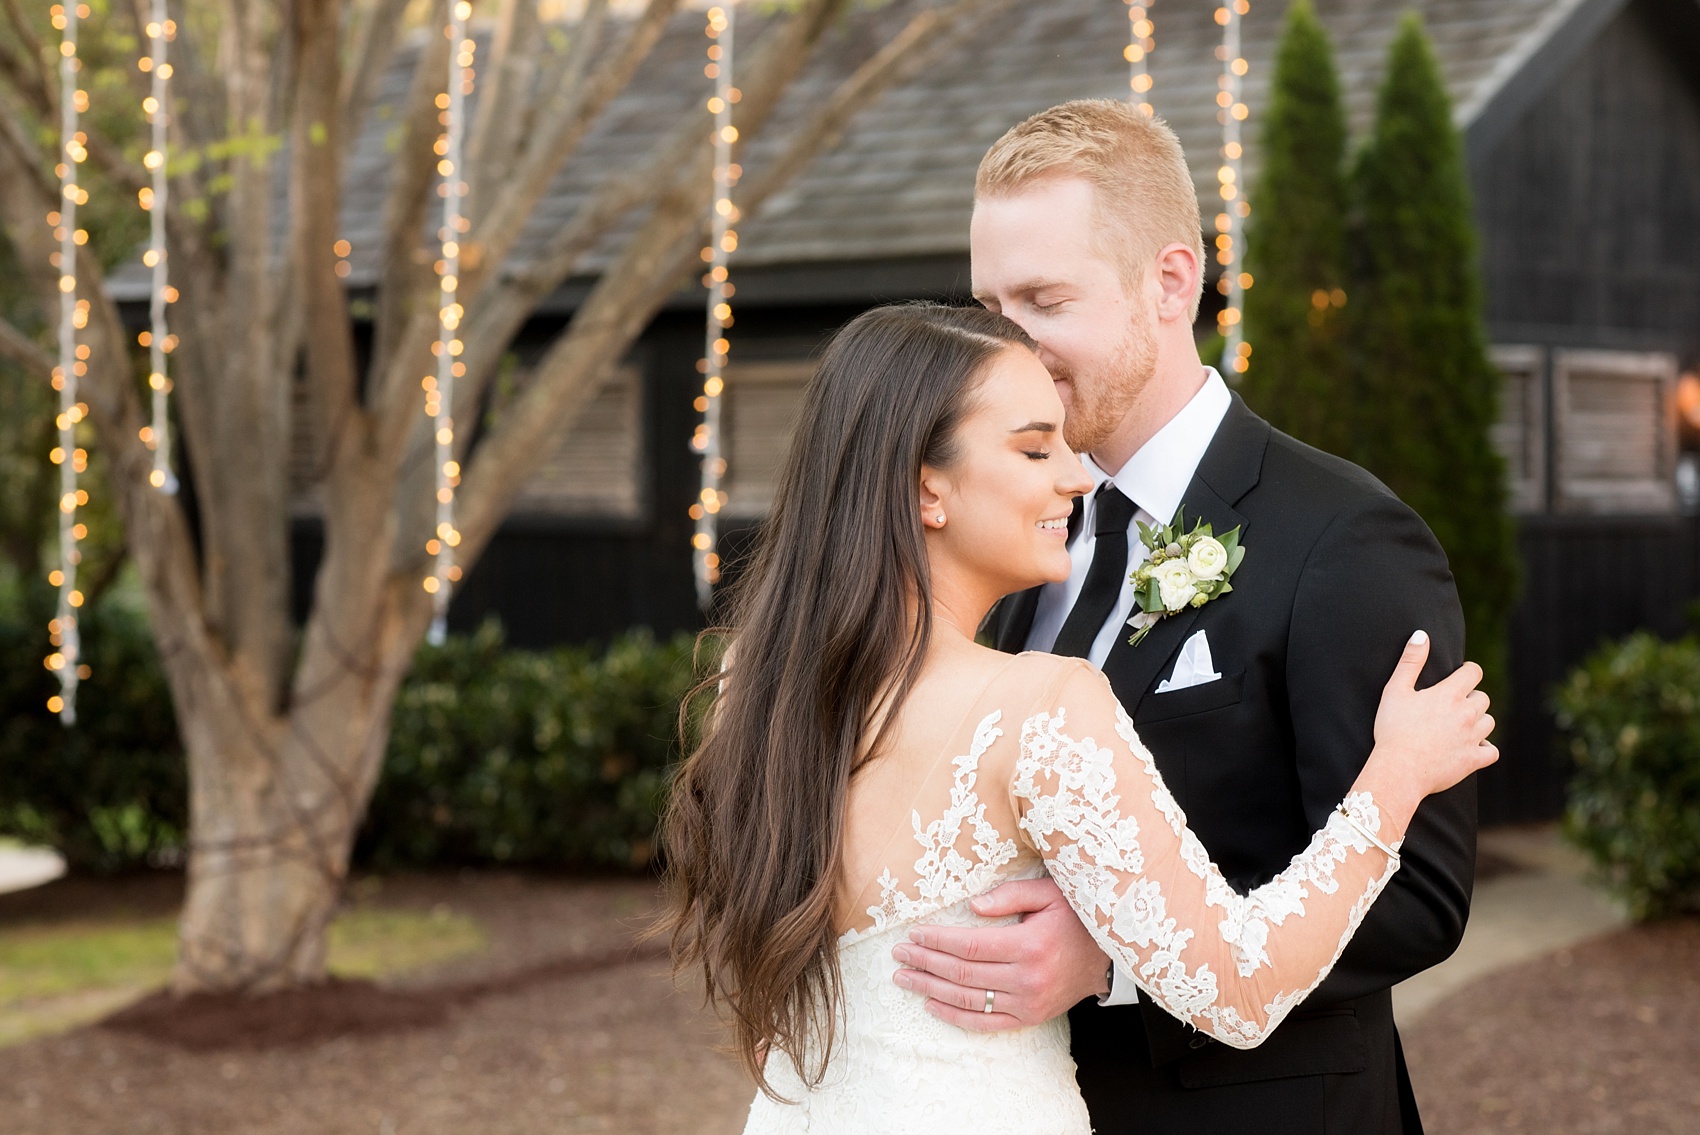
x=27, y=38
x=581, y=49
x=499, y=314
x=199, y=112
x=29, y=158
x=22, y=77
x=24, y=351
x=403, y=270
x=372, y=54
x=612, y=315
x=663, y=251
x=32, y=77
x=316, y=206
x=510, y=77
x=559, y=130
x=586, y=38
x=506, y=304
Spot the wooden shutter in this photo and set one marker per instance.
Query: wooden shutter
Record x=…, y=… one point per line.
x=1614, y=431
x=1520, y=435
x=763, y=401
x=598, y=469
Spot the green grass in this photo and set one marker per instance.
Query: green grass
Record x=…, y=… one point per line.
x=62, y=975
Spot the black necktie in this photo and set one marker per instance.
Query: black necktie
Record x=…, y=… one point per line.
x=1112, y=513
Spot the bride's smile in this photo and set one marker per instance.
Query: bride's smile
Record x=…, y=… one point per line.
x=996, y=516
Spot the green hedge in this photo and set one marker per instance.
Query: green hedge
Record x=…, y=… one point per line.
x=554, y=759
x=548, y=759
x=111, y=792
x=1632, y=713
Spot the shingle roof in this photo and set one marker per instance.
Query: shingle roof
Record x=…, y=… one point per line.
x=900, y=181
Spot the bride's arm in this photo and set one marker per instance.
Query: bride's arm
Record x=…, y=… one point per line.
x=1090, y=800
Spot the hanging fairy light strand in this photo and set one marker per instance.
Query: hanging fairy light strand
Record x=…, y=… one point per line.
x=440, y=387
x=159, y=341
x=1140, y=44
x=723, y=241
x=66, y=659
x=1230, y=222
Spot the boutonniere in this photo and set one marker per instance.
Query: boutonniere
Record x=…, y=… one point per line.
x=1184, y=570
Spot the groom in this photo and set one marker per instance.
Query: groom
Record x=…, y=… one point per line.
x=1259, y=706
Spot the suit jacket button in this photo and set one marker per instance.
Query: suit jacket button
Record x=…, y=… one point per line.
x=1199, y=1041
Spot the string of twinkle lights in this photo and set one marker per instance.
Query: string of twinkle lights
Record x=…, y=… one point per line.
x=66, y=659
x=440, y=387
x=1230, y=222
x=1140, y=44
x=722, y=242
x=159, y=341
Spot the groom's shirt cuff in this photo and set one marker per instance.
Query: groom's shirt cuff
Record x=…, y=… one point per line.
x=1123, y=991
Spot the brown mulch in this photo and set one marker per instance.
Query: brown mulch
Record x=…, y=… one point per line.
x=1601, y=1038
x=555, y=1028
x=208, y=1022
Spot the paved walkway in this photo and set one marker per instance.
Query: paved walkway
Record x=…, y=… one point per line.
x=1547, y=904
x=25, y=867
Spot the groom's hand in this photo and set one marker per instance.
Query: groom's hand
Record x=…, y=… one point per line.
x=1036, y=969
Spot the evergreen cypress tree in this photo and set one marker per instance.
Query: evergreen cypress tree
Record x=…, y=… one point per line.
x=1429, y=394
x=1296, y=246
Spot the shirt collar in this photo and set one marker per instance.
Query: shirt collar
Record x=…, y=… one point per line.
x=1156, y=477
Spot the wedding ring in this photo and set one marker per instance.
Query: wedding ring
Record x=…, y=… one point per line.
x=989, y=995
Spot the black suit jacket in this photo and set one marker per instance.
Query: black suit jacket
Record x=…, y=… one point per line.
x=1337, y=574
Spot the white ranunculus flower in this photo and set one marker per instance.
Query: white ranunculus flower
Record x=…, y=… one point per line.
x=1208, y=558
x=1175, y=584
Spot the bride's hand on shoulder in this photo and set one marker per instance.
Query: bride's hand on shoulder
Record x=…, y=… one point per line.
x=1428, y=740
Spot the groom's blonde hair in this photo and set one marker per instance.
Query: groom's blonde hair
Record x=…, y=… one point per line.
x=1145, y=198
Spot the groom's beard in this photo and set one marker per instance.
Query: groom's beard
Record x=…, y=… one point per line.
x=1102, y=396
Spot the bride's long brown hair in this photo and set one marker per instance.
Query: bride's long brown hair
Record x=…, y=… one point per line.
x=825, y=632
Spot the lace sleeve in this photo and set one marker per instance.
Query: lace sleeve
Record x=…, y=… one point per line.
x=1090, y=800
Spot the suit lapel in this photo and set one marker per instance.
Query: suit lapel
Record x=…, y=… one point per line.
x=1229, y=470
x=1012, y=619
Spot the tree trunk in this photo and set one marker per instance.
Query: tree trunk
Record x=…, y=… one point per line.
x=263, y=880
x=285, y=736
x=274, y=807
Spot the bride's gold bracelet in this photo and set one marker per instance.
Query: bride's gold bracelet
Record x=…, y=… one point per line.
x=1364, y=831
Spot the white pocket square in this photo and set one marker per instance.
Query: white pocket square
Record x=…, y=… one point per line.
x=1192, y=668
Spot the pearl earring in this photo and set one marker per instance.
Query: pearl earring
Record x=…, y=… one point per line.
x=939, y=520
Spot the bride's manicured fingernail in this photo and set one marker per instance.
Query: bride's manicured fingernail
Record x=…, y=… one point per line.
x=1419, y=638
x=902, y=978
x=917, y=937
x=901, y=953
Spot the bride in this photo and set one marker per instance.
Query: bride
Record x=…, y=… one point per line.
x=866, y=765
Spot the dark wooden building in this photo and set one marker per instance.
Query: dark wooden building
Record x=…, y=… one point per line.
x=1582, y=124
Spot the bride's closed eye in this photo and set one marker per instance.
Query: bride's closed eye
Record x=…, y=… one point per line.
x=1037, y=454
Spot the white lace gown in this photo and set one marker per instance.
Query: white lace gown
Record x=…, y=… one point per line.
x=1072, y=792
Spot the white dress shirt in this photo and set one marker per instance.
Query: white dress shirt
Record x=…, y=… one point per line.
x=1155, y=479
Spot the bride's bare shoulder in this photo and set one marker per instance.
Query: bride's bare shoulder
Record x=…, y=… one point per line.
x=1034, y=674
